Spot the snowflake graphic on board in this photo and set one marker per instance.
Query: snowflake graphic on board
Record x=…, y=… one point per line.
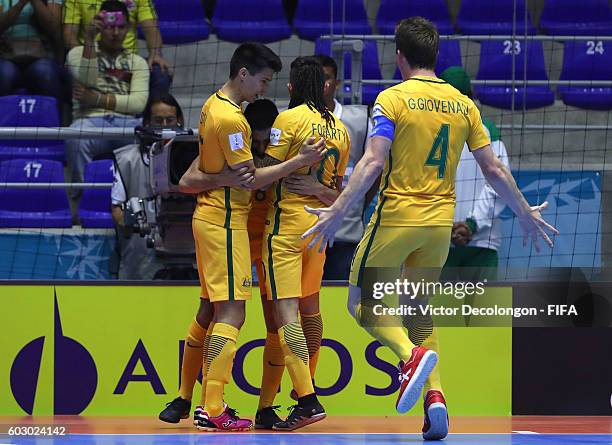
x=82, y=257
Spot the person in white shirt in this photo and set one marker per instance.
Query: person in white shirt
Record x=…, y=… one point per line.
x=476, y=236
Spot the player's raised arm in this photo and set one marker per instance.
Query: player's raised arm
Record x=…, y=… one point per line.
x=500, y=178
x=366, y=171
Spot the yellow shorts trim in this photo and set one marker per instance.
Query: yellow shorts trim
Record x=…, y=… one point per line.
x=224, y=261
x=292, y=270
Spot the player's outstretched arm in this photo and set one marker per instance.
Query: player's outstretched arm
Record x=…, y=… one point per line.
x=272, y=169
x=196, y=181
x=366, y=171
x=500, y=178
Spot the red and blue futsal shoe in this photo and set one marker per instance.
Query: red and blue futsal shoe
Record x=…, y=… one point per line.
x=435, y=425
x=413, y=375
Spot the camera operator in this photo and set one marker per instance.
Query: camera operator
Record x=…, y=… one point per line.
x=132, y=180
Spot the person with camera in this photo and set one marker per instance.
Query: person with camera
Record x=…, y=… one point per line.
x=132, y=179
x=111, y=86
x=79, y=14
x=28, y=29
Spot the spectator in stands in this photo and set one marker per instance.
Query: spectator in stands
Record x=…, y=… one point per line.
x=28, y=33
x=357, y=122
x=476, y=233
x=111, y=85
x=79, y=14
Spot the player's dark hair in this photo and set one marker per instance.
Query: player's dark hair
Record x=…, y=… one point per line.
x=418, y=41
x=254, y=57
x=116, y=6
x=261, y=114
x=164, y=98
x=308, y=81
x=327, y=62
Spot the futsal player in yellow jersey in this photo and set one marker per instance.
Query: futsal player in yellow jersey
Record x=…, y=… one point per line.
x=292, y=271
x=260, y=115
x=419, y=131
x=220, y=221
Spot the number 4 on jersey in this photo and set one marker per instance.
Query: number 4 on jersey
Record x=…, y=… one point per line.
x=439, y=150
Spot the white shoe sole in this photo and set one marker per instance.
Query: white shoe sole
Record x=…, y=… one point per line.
x=412, y=393
x=305, y=422
x=438, y=422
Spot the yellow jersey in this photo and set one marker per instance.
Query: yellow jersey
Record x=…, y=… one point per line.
x=432, y=123
x=286, y=214
x=225, y=137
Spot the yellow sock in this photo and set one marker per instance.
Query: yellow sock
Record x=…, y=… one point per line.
x=293, y=344
x=312, y=325
x=219, y=361
x=273, y=368
x=192, y=359
x=433, y=381
x=204, y=364
x=389, y=333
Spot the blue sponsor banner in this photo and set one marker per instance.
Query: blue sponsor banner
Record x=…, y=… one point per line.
x=574, y=208
x=74, y=254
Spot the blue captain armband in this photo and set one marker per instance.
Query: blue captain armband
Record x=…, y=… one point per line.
x=383, y=126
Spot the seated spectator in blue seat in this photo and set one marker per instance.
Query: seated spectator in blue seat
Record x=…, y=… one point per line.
x=79, y=14
x=29, y=30
x=111, y=86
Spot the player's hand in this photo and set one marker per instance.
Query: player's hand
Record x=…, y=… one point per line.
x=96, y=26
x=85, y=96
x=306, y=185
x=461, y=234
x=533, y=226
x=325, y=229
x=312, y=152
x=156, y=58
x=241, y=177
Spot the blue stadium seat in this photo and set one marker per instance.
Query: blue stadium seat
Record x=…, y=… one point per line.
x=482, y=17
x=496, y=64
x=34, y=208
x=568, y=17
x=370, y=68
x=95, y=206
x=30, y=111
x=449, y=55
x=313, y=18
x=391, y=11
x=184, y=24
x=246, y=20
x=587, y=60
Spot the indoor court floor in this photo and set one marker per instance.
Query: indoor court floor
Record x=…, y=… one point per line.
x=518, y=430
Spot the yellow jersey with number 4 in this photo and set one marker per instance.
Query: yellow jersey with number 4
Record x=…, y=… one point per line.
x=432, y=123
x=293, y=127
